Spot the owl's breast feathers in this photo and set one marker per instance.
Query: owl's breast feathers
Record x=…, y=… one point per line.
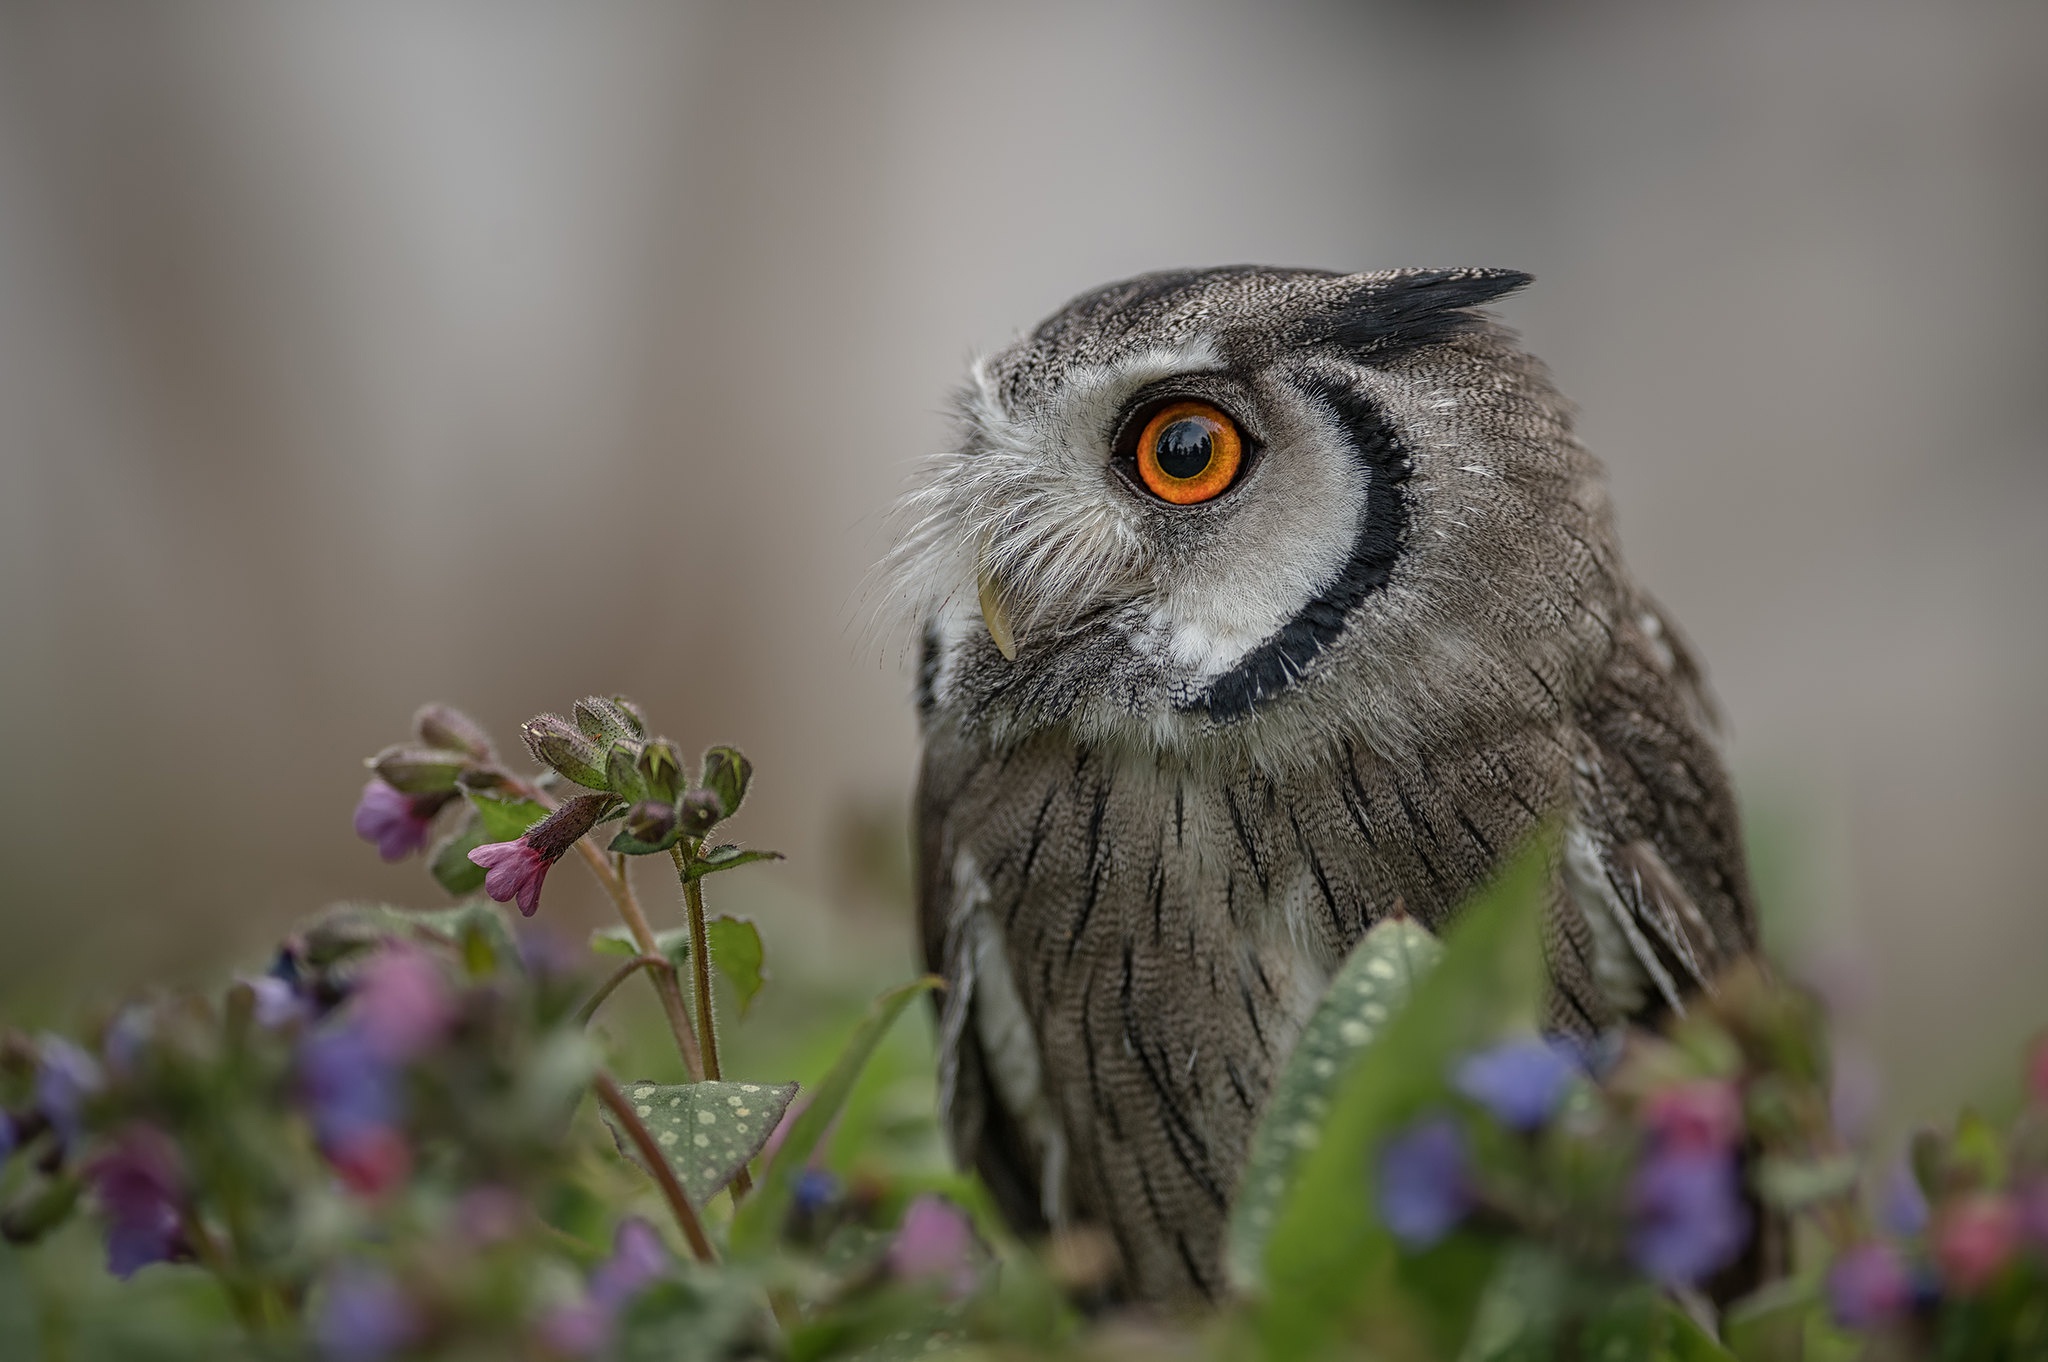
x=1133, y=942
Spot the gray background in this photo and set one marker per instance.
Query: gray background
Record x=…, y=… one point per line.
x=358, y=354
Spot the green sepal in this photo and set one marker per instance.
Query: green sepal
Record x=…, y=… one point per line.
x=727, y=775
x=708, y=1131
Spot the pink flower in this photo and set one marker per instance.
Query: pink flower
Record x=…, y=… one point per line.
x=402, y=1003
x=1868, y=1286
x=1975, y=1239
x=372, y=1161
x=1703, y=1116
x=936, y=1242
x=516, y=871
x=397, y=823
x=490, y=1214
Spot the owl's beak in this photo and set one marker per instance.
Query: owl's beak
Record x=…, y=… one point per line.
x=997, y=619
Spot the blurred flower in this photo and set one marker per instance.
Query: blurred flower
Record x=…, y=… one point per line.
x=1690, y=1220
x=638, y=1260
x=399, y=824
x=371, y=1161
x=363, y=1316
x=1903, y=1209
x=577, y=1329
x=935, y=1242
x=1868, y=1286
x=1854, y=1090
x=815, y=1190
x=489, y=1214
x=277, y=1002
x=1975, y=1239
x=1703, y=1116
x=140, y=1193
x=401, y=1002
x=516, y=871
x=1520, y=1081
x=126, y=1037
x=8, y=1136
x=346, y=1084
x=65, y=1077
x=1423, y=1188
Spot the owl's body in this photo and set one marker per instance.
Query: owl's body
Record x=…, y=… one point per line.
x=1184, y=746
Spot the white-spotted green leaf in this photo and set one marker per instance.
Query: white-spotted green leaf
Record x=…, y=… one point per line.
x=1370, y=987
x=708, y=1131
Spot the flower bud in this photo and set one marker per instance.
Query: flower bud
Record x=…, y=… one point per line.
x=419, y=770
x=660, y=769
x=651, y=821
x=557, y=744
x=622, y=769
x=726, y=774
x=449, y=729
x=608, y=719
x=699, y=812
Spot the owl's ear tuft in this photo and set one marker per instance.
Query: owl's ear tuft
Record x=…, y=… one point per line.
x=1377, y=313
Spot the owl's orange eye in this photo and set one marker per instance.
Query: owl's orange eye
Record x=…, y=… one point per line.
x=1189, y=452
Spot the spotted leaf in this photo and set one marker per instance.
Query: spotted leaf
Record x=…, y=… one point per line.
x=707, y=1130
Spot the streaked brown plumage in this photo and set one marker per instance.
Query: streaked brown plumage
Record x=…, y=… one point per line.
x=1236, y=734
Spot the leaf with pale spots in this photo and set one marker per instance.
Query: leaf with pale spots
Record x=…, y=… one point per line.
x=707, y=1130
x=1369, y=989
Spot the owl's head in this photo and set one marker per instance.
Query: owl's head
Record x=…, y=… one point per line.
x=1258, y=509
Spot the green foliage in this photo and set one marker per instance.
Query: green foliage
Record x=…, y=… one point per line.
x=505, y=818
x=708, y=1131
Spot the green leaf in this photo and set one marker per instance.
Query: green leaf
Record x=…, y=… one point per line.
x=1686, y=1341
x=725, y=857
x=505, y=817
x=626, y=843
x=674, y=944
x=759, y=1221
x=1518, y=1314
x=736, y=950
x=1372, y=985
x=1329, y=1261
x=1769, y=1325
x=727, y=774
x=476, y=928
x=1791, y=1184
x=707, y=1131
x=449, y=860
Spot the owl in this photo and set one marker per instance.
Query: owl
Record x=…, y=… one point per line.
x=1256, y=605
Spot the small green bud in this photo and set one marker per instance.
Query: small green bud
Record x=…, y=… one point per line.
x=726, y=774
x=622, y=770
x=448, y=728
x=608, y=720
x=661, y=770
x=651, y=821
x=419, y=770
x=698, y=812
x=560, y=746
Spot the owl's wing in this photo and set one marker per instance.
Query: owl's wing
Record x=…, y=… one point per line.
x=984, y=1134
x=1653, y=859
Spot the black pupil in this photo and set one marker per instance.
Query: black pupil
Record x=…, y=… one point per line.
x=1184, y=448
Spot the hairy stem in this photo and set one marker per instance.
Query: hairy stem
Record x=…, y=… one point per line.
x=700, y=966
x=615, y=1101
x=617, y=977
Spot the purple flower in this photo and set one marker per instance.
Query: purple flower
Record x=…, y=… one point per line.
x=936, y=1242
x=126, y=1037
x=1703, y=1116
x=1904, y=1208
x=363, y=1316
x=1423, y=1182
x=277, y=1002
x=516, y=871
x=1869, y=1286
x=65, y=1078
x=815, y=1190
x=398, y=823
x=1520, y=1081
x=140, y=1193
x=638, y=1261
x=489, y=1214
x=1976, y=1238
x=401, y=1003
x=576, y=1330
x=1690, y=1220
x=347, y=1084
x=8, y=1137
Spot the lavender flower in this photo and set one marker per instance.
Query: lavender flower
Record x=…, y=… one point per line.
x=126, y=1037
x=1423, y=1182
x=815, y=1190
x=277, y=1002
x=1868, y=1286
x=1974, y=1240
x=1703, y=1116
x=638, y=1261
x=397, y=823
x=9, y=1137
x=347, y=1084
x=363, y=1316
x=65, y=1078
x=1520, y=1081
x=1690, y=1220
x=935, y=1242
x=401, y=1003
x=1904, y=1208
x=577, y=1329
x=140, y=1193
x=489, y=1215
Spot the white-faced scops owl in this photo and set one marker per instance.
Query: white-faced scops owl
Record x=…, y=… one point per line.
x=1258, y=604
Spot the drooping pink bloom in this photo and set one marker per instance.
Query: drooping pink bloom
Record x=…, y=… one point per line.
x=1974, y=1239
x=402, y=1003
x=397, y=823
x=1703, y=1116
x=936, y=1243
x=515, y=871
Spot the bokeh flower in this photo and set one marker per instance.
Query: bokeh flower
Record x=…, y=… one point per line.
x=1869, y=1286
x=935, y=1243
x=490, y=1214
x=1974, y=1239
x=354, y=1095
x=1424, y=1188
x=1701, y=1116
x=1689, y=1217
x=639, y=1259
x=277, y=1002
x=363, y=1316
x=1903, y=1206
x=402, y=1003
x=397, y=823
x=66, y=1078
x=816, y=1189
x=1520, y=1081
x=140, y=1192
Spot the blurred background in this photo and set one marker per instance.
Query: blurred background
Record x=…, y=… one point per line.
x=358, y=355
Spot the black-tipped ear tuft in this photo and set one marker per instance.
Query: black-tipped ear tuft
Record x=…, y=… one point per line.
x=1417, y=307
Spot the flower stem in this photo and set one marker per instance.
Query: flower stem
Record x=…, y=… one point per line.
x=622, y=1111
x=665, y=986
x=700, y=965
x=611, y=983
